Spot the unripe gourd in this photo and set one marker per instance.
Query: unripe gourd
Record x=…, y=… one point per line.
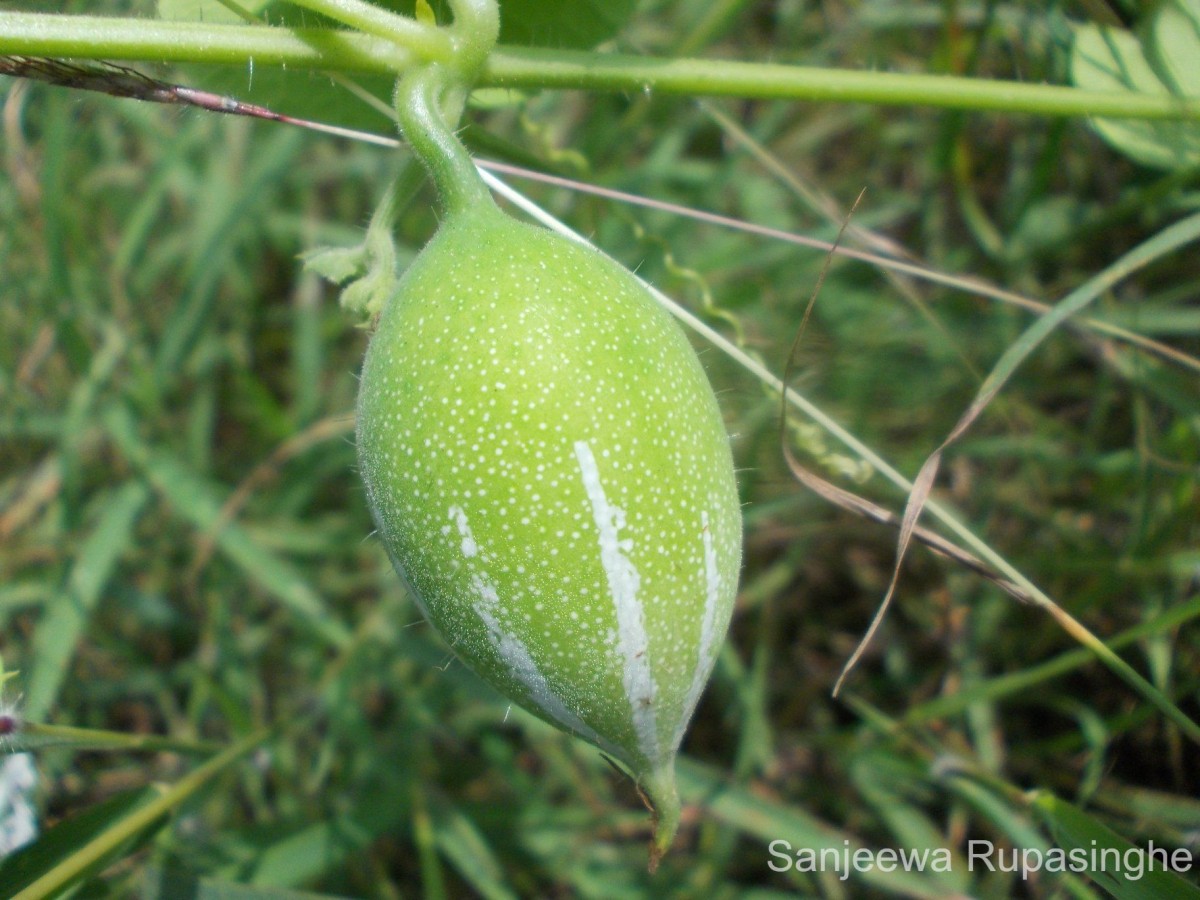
x=548, y=469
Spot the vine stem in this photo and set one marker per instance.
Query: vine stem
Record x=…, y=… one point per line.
x=476, y=29
x=527, y=67
x=112, y=38
x=153, y=40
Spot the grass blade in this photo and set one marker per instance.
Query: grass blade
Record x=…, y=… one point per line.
x=82, y=860
x=67, y=613
x=1125, y=870
x=37, y=860
x=198, y=501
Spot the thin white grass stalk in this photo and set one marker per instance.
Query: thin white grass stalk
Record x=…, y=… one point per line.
x=1066, y=621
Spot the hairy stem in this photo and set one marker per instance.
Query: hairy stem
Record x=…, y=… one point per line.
x=148, y=40
x=476, y=28
x=527, y=67
x=419, y=96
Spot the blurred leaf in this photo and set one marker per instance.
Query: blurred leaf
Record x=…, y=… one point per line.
x=467, y=850
x=769, y=821
x=307, y=95
x=67, y=614
x=1174, y=48
x=377, y=807
x=113, y=835
x=162, y=884
x=240, y=198
x=1074, y=829
x=577, y=24
x=33, y=861
x=1112, y=59
x=889, y=784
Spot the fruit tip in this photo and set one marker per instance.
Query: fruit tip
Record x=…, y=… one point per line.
x=663, y=797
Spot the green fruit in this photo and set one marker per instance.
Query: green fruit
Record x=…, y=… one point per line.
x=548, y=469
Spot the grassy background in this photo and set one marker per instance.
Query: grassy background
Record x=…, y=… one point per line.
x=183, y=542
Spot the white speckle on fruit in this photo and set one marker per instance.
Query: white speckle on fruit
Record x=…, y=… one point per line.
x=623, y=582
x=469, y=547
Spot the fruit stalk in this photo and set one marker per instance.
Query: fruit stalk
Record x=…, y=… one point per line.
x=418, y=100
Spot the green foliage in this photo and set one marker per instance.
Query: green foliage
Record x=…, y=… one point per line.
x=1161, y=61
x=183, y=537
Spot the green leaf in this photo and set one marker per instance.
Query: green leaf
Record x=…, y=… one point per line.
x=102, y=837
x=301, y=856
x=462, y=843
x=769, y=822
x=894, y=789
x=576, y=24
x=1125, y=879
x=302, y=94
x=336, y=264
x=1113, y=59
x=31, y=862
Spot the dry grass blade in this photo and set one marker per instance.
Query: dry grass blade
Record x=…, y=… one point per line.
x=868, y=510
x=908, y=527
x=1172, y=238
x=852, y=502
